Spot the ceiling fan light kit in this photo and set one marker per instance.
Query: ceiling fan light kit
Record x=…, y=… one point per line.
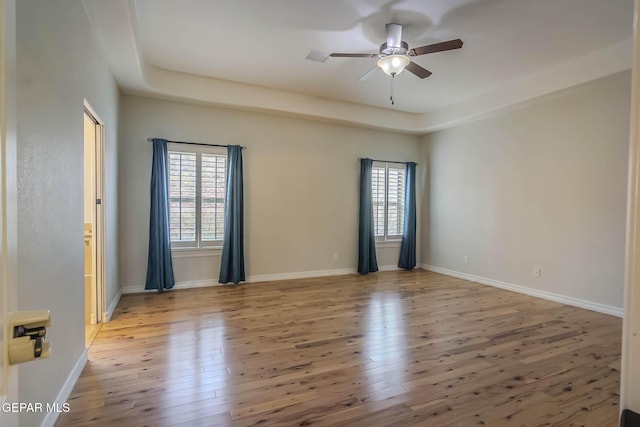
x=393, y=65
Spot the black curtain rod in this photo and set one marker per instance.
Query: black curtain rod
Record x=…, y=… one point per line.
x=195, y=143
x=385, y=161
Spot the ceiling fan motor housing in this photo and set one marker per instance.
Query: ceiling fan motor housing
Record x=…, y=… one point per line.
x=394, y=50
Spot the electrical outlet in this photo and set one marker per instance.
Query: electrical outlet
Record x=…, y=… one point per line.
x=537, y=272
x=466, y=259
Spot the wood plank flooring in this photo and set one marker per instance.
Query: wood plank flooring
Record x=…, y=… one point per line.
x=387, y=349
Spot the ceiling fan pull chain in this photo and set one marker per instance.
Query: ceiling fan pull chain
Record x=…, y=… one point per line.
x=393, y=78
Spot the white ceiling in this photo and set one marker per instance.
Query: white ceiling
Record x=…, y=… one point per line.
x=251, y=53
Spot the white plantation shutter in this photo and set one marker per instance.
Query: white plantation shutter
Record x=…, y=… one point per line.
x=182, y=196
x=377, y=193
x=387, y=188
x=214, y=173
x=395, y=198
x=197, y=187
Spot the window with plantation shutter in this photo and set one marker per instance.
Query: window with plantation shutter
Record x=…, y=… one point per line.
x=387, y=187
x=197, y=186
x=379, y=200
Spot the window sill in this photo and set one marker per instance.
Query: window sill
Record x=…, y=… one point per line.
x=196, y=252
x=389, y=243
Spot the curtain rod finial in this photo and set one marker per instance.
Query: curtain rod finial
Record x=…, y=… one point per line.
x=149, y=139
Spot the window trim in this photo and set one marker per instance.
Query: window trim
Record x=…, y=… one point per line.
x=207, y=251
x=386, y=239
x=198, y=244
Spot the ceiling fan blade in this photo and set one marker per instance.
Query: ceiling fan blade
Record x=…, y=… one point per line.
x=368, y=74
x=418, y=70
x=394, y=35
x=436, y=47
x=353, y=55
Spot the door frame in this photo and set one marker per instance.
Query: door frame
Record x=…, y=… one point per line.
x=99, y=215
x=8, y=200
x=630, y=370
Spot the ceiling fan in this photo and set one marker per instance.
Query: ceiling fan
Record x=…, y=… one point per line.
x=394, y=55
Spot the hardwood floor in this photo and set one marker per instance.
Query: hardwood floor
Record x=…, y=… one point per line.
x=388, y=349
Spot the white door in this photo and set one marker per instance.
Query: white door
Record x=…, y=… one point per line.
x=8, y=214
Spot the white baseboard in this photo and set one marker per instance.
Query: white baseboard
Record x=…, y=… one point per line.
x=388, y=268
x=576, y=302
x=106, y=316
x=178, y=285
x=261, y=278
x=131, y=290
x=65, y=391
x=196, y=284
x=300, y=275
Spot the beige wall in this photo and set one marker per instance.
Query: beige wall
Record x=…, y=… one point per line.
x=301, y=187
x=543, y=186
x=58, y=66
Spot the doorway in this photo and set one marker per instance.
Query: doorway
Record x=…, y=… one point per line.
x=93, y=223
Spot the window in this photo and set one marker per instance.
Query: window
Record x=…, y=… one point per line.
x=387, y=187
x=197, y=186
